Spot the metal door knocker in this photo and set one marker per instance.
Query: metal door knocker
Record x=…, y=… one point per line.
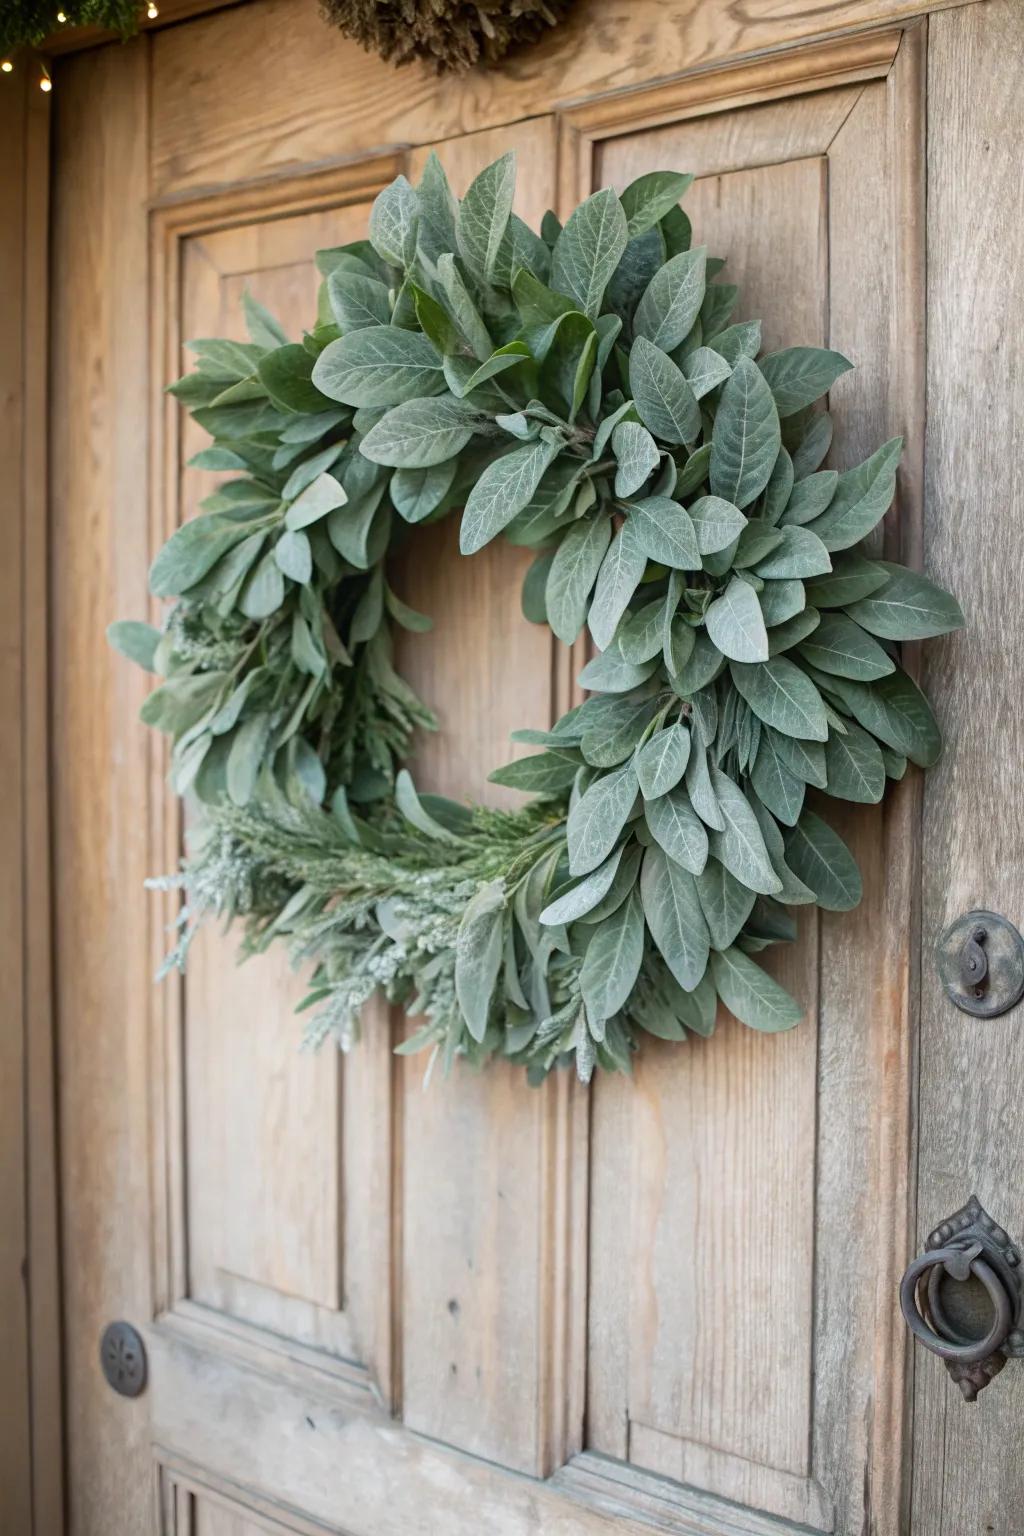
x=962, y=1298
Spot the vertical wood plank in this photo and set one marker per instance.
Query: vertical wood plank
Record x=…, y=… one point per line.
x=968, y=1470
x=15, y=1398
x=100, y=544
x=492, y=1246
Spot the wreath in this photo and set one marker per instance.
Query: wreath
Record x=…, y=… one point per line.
x=584, y=393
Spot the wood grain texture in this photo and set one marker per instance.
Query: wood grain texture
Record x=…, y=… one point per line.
x=968, y=1468
x=100, y=541
x=15, y=1393
x=490, y=1361
x=605, y=46
x=717, y=1193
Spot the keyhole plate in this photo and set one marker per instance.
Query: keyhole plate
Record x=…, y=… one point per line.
x=1003, y=984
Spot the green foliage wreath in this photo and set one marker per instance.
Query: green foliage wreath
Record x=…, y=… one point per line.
x=583, y=393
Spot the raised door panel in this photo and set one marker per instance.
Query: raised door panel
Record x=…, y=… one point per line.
x=730, y=1311
x=278, y=1166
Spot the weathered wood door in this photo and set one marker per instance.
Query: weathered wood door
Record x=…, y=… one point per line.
x=380, y=1309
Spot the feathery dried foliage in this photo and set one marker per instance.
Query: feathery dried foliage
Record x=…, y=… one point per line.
x=447, y=34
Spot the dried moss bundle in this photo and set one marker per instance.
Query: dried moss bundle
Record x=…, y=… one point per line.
x=449, y=34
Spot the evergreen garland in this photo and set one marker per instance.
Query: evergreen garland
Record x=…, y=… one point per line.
x=28, y=22
x=585, y=393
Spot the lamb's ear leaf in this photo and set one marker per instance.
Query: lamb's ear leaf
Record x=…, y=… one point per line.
x=588, y=249
x=751, y=995
x=479, y=948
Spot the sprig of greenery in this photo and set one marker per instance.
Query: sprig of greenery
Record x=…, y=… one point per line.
x=586, y=393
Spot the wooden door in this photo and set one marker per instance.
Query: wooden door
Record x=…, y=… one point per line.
x=372, y=1307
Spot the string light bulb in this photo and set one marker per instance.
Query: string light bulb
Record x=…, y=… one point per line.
x=61, y=17
x=152, y=12
x=45, y=83
x=6, y=66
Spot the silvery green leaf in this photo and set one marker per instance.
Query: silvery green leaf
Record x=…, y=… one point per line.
x=778, y=491
x=698, y=783
x=521, y=250
x=463, y=375
x=636, y=454
x=609, y=673
x=545, y=773
x=736, y=625
x=420, y=433
x=483, y=216
x=479, y=947
x=664, y=398
x=381, y=365
x=794, y=892
x=638, y=263
x=263, y=591
x=135, y=640
x=614, y=735
x=678, y=642
x=694, y=472
x=741, y=340
x=818, y=856
x=813, y=446
x=650, y=197
x=672, y=300
x=640, y=637
x=583, y=897
x=534, y=602
x=463, y=311
x=705, y=663
x=862, y=497
x=409, y=804
x=854, y=766
x=746, y=438
x=350, y=527
x=783, y=637
x=676, y=827
x=661, y=761
x=310, y=470
x=778, y=787
x=319, y=498
x=264, y=330
x=810, y=497
x=192, y=551
x=725, y=901
x=621, y=571
x=841, y=647
x=705, y=369
x=895, y=765
x=908, y=607
x=756, y=541
x=719, y=303
x=718, y=523
x=626, y=877
x=394, y=220
x=612, y=962
x=781, y=600
x=664, y=532
x=751, y=995
x=805, y=759
x=438, y=209
x=418, y=492
x=801, y=554
x=851, y=578
x=896, y=711
x=573, y=573
x=740, y=845
x=798, y=376
x=674, y=917
x=294, y=557
x=598, y=817
x=783, y=696
x=246, y=757
x=504, y=488
x=357, y=301
x=587, y=251
x=180, y=703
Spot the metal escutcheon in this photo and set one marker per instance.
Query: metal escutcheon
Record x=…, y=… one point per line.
x=123, y=1358
x=962, y=1298
x=981, y=962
